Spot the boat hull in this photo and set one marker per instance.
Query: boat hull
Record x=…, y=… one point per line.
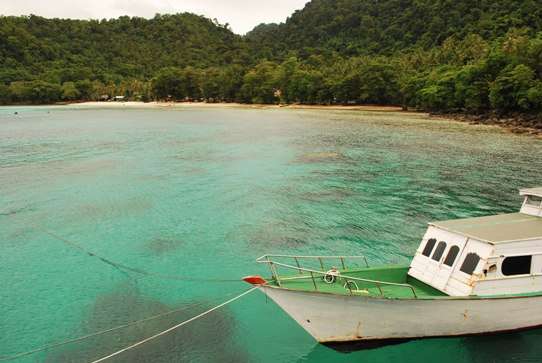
x=365, y=322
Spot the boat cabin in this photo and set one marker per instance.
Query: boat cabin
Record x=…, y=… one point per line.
x=484, y=256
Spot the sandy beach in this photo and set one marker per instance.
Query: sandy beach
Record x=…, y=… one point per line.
x=374, y=108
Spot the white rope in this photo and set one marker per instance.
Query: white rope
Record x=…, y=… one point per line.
x=173, y=327
x=84, y=337
x=91, y=335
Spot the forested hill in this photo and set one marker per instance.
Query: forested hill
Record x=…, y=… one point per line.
x=59, y=50
x=466, y=56
x=358, y=27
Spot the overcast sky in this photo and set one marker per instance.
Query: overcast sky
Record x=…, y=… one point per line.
x=242, y=15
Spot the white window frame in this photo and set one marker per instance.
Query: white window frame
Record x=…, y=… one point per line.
x=525, y=203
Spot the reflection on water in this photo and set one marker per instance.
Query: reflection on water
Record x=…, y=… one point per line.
x=204, y=191
x=501, y=348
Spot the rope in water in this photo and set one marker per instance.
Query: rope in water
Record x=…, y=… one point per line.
x=136, y=270
x=173, y=327
x=121, y=266
x=88, y=336
x=98, y=333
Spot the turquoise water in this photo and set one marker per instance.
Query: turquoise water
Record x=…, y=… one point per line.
x=203, y=192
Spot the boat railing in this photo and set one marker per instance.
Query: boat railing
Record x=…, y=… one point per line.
x=310, y=273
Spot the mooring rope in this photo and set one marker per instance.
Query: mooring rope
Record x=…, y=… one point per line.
x=88, y=336
x=141, y=342
x=121, y=266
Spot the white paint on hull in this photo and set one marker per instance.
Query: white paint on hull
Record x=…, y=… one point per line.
x=338, y=318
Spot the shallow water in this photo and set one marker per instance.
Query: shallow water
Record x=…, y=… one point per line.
x=203, y=192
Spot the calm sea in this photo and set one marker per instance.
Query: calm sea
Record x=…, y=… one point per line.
x=201, y=192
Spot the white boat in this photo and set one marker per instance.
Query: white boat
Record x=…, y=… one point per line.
x=468, y=277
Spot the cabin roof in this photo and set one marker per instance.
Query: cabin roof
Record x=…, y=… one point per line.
x=532, y=191
x=496, y=229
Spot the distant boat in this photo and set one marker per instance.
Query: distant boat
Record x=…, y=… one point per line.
x=468, y=277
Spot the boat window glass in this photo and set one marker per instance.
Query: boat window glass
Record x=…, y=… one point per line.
x=439, y=251
x=452, y=255
x=429, y=247
x=534, y=201
x=470, y=263
x=518, y=265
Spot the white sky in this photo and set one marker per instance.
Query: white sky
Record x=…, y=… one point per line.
x=242, y=15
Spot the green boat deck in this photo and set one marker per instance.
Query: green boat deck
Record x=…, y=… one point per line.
x=390, y=274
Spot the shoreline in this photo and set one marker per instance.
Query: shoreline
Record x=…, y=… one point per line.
x=154, y=104
x=517, y=124
x=159, y=104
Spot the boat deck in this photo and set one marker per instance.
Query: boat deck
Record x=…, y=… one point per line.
x=393, y=274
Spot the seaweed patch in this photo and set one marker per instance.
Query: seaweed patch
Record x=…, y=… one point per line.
x=209, y=339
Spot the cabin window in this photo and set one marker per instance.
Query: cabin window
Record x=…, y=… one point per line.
x=518, y=265
x=470, y=263
x=452, y=255
x=429, y=247
x=439, y=251
x=534, y=201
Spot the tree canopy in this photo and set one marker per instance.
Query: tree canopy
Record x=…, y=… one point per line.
x=362, y=27
x=436, y=55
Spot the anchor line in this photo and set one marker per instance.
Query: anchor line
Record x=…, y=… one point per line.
x=141, y=342
x=95, y=334
x=121, y=266
x=98, y=333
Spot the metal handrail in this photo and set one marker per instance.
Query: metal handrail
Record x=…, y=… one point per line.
x=298, y=257
x=267, y=259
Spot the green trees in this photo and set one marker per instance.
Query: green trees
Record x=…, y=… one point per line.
x=260, y=84
x=305, y=86
x=385, y=27
x=511, y=89
x=64, y=50
x=88, y=59
x=505, y=78
x=440, y=56
x=231, y=81
x=439, y=92
x=167, y=84
x=37, y=91
x=379, y=83
x=211, y=84
x=177, y=84
x=299, y=82
x=69, y=91
x=5, y=94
